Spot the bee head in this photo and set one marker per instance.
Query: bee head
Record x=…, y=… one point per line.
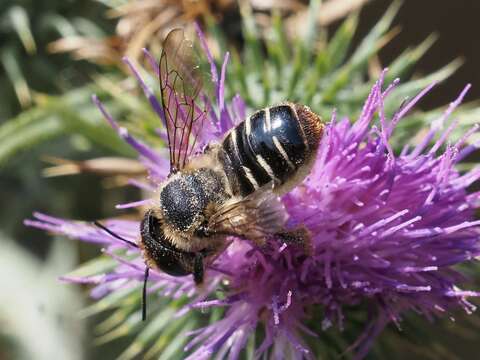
x=158, y=251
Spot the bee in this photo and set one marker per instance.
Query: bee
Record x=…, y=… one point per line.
x=232, y=187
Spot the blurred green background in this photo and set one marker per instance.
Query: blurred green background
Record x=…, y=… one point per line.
x=45, y=110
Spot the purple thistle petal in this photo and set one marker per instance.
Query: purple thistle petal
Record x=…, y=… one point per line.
x=92, y=280
x=141, y=185
x=154, y=103
x=203, y=43
x=226, y=121
x=153, y=63
x=438, y=124
x=134, y=204
x=405, y=109
x=221, y=84
x=238, y=109
x=85, y=231
x=141, y=148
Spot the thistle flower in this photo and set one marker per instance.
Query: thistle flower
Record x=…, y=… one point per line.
x=387, y=230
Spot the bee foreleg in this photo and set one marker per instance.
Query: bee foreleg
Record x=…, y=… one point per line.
x=298, y=237
x=198, y=269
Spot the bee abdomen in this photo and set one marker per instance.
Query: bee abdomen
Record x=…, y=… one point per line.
x=272, y=145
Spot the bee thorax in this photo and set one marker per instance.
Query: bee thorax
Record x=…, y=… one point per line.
x=185, y=197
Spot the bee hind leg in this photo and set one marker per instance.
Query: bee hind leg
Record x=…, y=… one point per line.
x=299, y=237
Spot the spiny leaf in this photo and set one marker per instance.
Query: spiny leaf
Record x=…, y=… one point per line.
x=88, y=28
x=114, y=320
x=55, y=116
x=332, y=56
x=372, y=40
x=149, y=332
x=125, y=328
x=22, y=135
x=359, y=59
x=238, y=72
x=253, y=52
x=311, y=25
x=407, y=60
x=337, y=47
x=15, y=75
x=251, y=346
x=408, y=88
x=80, y=116
x=98, y=265
x=19, y=19
x=414, y=86
x=123, y=296
x=62, y=25
x=217, y=33
x=172, y=346
x=277, y=45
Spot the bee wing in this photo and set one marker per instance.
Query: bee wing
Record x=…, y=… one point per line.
x=182, y=91
x=254, y=217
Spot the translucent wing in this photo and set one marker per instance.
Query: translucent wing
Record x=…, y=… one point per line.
x=181, y=82
x=255, y=217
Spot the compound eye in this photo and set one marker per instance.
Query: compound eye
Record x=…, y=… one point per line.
x=160, y=251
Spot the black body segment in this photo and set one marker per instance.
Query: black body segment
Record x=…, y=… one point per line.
x=286, y=128
x=248, y=157
x=269, y=146
x=232, y=164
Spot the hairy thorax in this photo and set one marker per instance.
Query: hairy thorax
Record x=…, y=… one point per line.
x=187, y=200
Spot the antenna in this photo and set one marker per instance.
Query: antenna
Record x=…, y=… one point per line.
x=147, y=269
x=110, y=232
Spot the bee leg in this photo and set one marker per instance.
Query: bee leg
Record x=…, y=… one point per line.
x=198, y=269
x=144, y=294
x=298, y=237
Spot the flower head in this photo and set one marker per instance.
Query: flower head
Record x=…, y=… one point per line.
x=387, y=230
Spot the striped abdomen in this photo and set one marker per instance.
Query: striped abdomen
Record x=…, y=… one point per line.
x=275, y=144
